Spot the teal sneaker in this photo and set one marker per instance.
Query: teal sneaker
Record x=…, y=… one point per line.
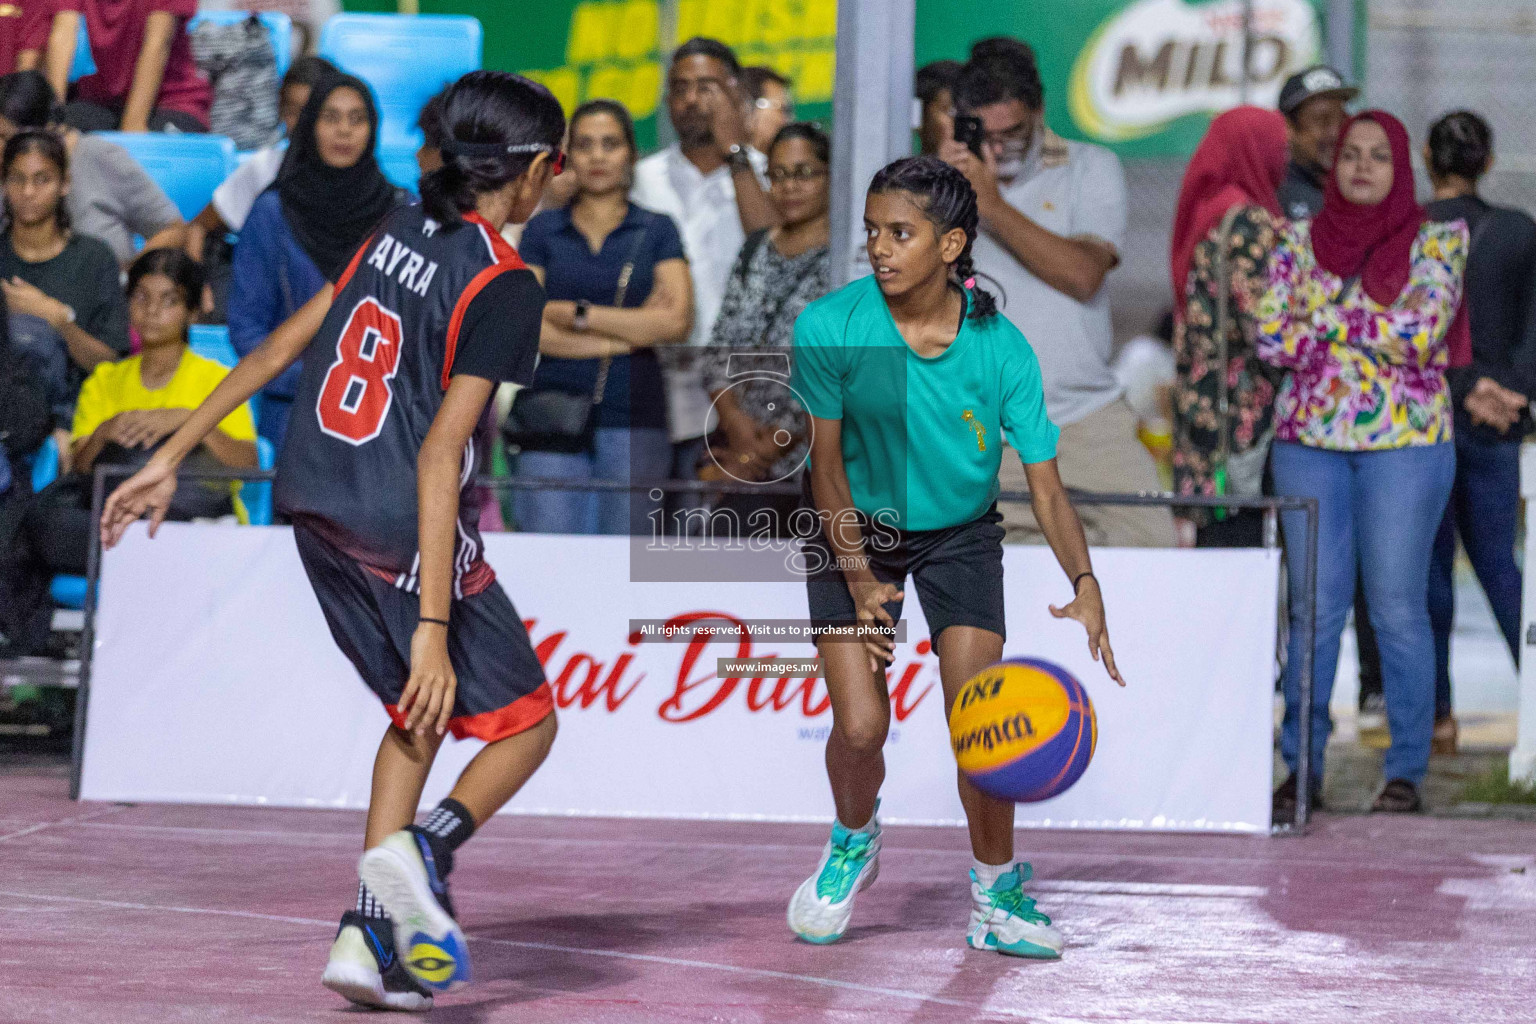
x=823, y=905
x=1005, y=920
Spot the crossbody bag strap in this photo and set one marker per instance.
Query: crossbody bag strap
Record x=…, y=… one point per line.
x=625, y=273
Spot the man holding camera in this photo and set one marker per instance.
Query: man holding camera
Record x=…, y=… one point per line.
x=1053, y=214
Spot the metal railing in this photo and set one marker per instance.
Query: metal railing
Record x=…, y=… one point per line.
x=1271, y=506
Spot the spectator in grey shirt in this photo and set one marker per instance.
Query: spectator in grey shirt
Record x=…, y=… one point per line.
x=111, y=198
x=1052, y=219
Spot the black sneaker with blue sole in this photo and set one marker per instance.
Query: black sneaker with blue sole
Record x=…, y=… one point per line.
x=403, y=875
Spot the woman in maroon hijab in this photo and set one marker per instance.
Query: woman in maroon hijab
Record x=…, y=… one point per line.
x=1359, y=310
x=1223, y=231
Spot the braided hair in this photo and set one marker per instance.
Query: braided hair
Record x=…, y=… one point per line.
x=949, y=202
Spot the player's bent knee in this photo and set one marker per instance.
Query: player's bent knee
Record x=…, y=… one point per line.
x=864, y=734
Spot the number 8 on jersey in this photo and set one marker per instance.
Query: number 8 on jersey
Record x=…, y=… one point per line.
x=356, y=394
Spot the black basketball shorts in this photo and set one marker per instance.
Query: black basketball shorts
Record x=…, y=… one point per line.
x=958, y=571
x=501, y=686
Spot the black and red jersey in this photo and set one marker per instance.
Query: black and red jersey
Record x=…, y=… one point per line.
x=419, y=303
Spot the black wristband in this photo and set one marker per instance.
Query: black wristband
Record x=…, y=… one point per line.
x=1079, y=578
x=438, y=622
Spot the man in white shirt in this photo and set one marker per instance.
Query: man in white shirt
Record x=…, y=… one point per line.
x=1053, y=216
x=710, y=182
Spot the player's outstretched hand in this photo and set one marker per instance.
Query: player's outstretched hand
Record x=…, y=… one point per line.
x=147, y=492
x=1088, y=608
x=427, y=702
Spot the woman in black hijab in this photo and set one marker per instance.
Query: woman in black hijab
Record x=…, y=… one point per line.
x=302, y=232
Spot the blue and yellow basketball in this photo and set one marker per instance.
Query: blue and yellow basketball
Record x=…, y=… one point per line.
x=1023, y=730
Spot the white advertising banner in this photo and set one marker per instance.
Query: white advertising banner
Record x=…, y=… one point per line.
x=215, y=680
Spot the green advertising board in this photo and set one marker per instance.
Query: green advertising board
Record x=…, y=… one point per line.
x=1142, y=76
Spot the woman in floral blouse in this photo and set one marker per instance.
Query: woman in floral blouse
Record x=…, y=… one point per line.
x=1358, y=309
x=762, y=436
x=1227, y=200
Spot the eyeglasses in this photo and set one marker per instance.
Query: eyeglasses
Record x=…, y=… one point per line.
x=1017, y=135
x=803, y=172
x=787, y=108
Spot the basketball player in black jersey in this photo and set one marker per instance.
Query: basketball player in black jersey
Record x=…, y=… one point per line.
x=401, y=355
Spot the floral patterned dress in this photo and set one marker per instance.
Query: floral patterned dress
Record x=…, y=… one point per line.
x=1362, y=376
x=1251, y=383
x=764, y=295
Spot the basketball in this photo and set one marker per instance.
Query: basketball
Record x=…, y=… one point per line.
x=1023, y=730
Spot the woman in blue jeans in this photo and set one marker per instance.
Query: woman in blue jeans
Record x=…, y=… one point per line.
x=581, y=253
x=1358, y=308
x=1491, y=395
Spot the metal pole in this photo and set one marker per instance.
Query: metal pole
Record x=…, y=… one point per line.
x=667, y=42
x=1245, y=76
x=871, y=115
x=1308, y=597
x=1340, y=37
x=88, y=631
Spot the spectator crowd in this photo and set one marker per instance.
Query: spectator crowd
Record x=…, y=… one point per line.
x=1331, y=336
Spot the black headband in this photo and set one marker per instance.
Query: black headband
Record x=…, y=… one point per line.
x=493, y=149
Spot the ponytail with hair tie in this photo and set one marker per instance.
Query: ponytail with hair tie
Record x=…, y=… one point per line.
x=494, y=125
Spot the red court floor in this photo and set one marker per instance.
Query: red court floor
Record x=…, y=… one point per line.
x=112, y=914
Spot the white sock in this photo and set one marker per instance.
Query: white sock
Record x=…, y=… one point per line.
x=868, y=827
x=988, y=874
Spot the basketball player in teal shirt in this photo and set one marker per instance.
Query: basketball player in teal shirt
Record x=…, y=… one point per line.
x=911, y=379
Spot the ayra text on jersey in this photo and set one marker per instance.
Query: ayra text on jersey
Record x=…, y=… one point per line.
x=387, y=257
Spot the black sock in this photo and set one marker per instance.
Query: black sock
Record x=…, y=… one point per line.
x=445, y=830
x=369, y=906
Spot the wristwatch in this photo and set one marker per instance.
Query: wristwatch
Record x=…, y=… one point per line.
x=579, y=320
x=738, y=157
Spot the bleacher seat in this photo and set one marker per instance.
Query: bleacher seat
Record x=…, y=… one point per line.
x=258, y=496
x=66, y=591
x=84, y=64
x=211, y=341
x=188, y=167
x=407, y=58
x=278, y=25
x=69, y=591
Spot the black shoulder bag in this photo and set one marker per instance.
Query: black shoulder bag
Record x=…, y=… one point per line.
x=547, y=419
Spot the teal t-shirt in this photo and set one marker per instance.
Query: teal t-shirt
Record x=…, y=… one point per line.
x=922, y=438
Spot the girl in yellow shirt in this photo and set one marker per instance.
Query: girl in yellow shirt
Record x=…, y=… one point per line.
x=138, y=402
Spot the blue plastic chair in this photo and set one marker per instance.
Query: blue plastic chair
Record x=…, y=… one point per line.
x=278, y=25
x=407, y=58
x=258, y=496
x=84, y=64
x=211, y=341
x=66, y=591
x=188, y=167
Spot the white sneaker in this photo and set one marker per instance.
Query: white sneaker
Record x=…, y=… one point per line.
x=363, y=968
x=403, y=876
x=1005, y=920
x=821, y=908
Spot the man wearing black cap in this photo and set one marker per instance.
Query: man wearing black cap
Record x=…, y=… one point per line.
x=1313, y=104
